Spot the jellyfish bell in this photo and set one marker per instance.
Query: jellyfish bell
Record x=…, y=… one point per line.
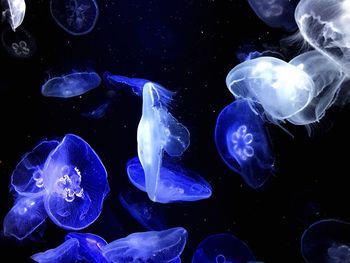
x=14, y=12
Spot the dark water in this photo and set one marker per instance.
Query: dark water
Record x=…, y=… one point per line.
x=188, y=47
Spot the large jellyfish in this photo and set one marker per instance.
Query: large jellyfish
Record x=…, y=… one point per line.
x=222, y=248
x=243, y=143
x=276, y=13
x=14, y=12
x=65, y=181
x=71, y=85
x=175, y=184
x=161, y=247
x=326, y=241
x=77, y=17
x=325, y=25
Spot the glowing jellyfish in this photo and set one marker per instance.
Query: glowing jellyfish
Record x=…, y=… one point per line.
x=19, y=44
x=161, y=247
x=326, y=241
x=222, y=248
x=276, y=13
x=77, y=17
x=65, y=181
x=175, y=184
x=280, y=88
x=71, y=85
x=324, y=25
x=150, y=215
x=243, y=143
x=118, y=81
x=97, y=113
x=14, y=12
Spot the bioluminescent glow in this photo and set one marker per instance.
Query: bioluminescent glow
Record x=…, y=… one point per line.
x=14, y=12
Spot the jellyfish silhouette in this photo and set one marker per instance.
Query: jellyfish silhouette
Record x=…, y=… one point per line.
x=326, y=241
x=65, y=181
x=243, y=143
x=222, y=248
x=77, y=17
x=14, y=12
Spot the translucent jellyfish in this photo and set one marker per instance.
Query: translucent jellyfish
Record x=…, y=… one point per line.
x=161, y=247
x=280, y=88
x=326, y=241
x=77, y=17
x=150, y=215
x=175, y=184
x=71, y=85
x=65, y=253
x=19, y=44
x=97, y=113
x=324, y=25
x=222, y=248
x=117, y=82
x=243, y=143
x=276, y=13
x=14, y=12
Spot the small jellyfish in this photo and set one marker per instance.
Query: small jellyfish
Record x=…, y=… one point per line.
x=150, y=215
x=222, y=248
x=276, y=13
x=14, y=12
x=98, y=112
x=77, y=17
x=175, y=184
x=243, y=143
x=117, y=82
x=326, y=241
x=161, y=247
x=71, y=85
x=19, y=44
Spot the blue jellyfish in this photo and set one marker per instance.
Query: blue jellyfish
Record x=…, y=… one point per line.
x=161, y=247
x=326, y=241
x=76, y=17
x=14, y=12
x=243, y=143
x=118, y=81
x=71, y=85
x=222, y=248
x=150, y=215
x=175, y=184
x=98, y=112
x=276, y=13
x=65, y=181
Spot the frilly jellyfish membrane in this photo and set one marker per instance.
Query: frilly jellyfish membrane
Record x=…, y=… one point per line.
x=14, y=12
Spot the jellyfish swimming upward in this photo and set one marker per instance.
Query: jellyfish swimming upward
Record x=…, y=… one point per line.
x=65, y=181
x=14, y=12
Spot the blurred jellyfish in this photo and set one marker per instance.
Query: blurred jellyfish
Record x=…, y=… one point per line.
x=117, y=82
x=175, y=184
x=150, y=215
x=65, y=181
x=324, y=25
x=77, y=17
x=98, y=112
x=14, y=12
x=326, y=241
x=243, y=143
x=222, y=248
x=276, y=13
x=161, y=247
x=18, y=44
x=71, y=85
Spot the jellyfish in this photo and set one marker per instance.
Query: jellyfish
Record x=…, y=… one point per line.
x=326, y=241
x=76, y=17
x=18, y=44
x=324, y=25
x=276, y=13
x=118, y=82
x=222, y=248
x=175, y=184
x=65, y=181
x=243, y=143
x=150, y=215
x=14, y=12
x=71, y=85
x=98, y=112
x=161, y=247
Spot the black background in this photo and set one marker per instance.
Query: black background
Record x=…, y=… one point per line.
x=188, y=47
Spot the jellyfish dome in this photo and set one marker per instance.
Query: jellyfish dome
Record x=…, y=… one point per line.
x=222, y=248
x=326, y=241
x=77, y=17
x=14, y=12
x=325, y=25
